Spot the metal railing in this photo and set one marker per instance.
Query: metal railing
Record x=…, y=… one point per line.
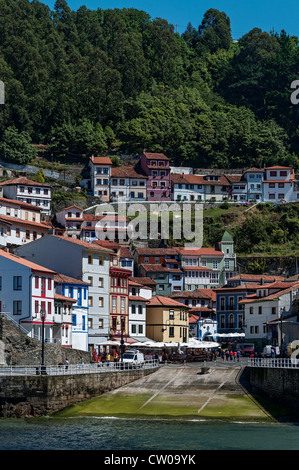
x=274, y=363
x=73, y=369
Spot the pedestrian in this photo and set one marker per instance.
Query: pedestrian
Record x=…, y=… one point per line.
x=227, y=354
x=222, y=355
x=66, y=364
x=238, y=355
x=231, y=355
x=235, y=355
x=108, y=359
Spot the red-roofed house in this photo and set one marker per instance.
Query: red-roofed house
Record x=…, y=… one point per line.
x=100, y=173
x=167, y=320
x=25, y=190
x=127, y=184
x=156, y=168
x=27, y=291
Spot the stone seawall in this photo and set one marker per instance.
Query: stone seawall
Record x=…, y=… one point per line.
x=28, y=396
x=281, y=385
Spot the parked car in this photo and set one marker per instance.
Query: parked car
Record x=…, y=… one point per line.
x=248, y=349
x=133, y=358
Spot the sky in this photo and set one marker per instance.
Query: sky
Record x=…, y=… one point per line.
x=244, y=14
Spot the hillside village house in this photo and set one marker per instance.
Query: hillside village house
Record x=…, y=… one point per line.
x=156, y=168
x=26, y=293
x=273, y=301
x=167, y=320
x=127, y=184
x=88, y=262
x=100, y=171
x=70, y=219
x=202, y=314
x=78, y=291
x=138, y=297
x=32, y=192
x=254, y=178
x=20, y=223
x=280, y=185
x=63, y=308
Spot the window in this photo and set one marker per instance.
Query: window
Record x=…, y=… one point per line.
x=133, y=329
x=90, y=259
x=90, y=301
x=49, y=284
x=114, y=303
x=251, y=310
x=133, y=309
x=273, y=173
x=171, y=331
x=123, y=300
x=17, y=283
x=17, y=307
x=101, y=282
x=222, y=303
x=101, y=323
x=49, y=308
x=215, y=264
x=90, y=280
x=101, y=302
x=171, y=314
x=260, y=310
x=36, y=306
x=273, y=310
x=101, y=260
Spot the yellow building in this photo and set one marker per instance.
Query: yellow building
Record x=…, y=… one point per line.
x=167, y=320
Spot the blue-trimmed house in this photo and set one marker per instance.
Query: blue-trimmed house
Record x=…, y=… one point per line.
x=76, y=289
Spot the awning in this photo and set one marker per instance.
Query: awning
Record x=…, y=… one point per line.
x=229, y=335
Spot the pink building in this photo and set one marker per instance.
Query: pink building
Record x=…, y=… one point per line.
x=156, y=167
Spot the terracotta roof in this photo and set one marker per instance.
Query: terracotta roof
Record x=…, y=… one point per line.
x=100, y=160
x=70, y=207
x=193, y=294
x=195, y=268
x=24, y=262
x=255, y=170
x=155, y=156
x=160, y=300
x=90, y=246
x=107, y=244
x=16, y=220
x=125, y=252
x=15, y=202
x=22, y=180
x=147, y=281
x=201, y=309
x=126, y=172
x=274, y=296
x=187, y=179
x=62, y=297
x=209, y=292
x=137, y=298
x=64, y=279
x=256, y=277
x=200, y=252
x=156, y=251
x=277, y=167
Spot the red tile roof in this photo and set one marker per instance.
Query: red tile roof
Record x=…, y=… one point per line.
x=63, y=278
x=256, y=278
x=22, y=180
x=200, y=252
x=156, y=251
x=14, y=202
x=24, y=262
x=160, y=300
x=126, y=172
x=137, y=298
x=17, y=221
x=147, y=281
x=90, y=246
x=274, y=296
x=155, y=156
x=62, y=297
x=100, y=160
x=193, y=294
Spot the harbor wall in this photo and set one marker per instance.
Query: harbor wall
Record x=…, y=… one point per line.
x=41, y=395
x=279, y=384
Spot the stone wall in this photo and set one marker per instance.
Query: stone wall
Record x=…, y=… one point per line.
x=16, y=348
x=282, y=385
x=42, y=395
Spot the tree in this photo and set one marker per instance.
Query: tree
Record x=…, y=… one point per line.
x=214, y=31
x=16, y=147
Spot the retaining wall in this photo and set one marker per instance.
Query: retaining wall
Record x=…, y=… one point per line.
x=26, y=396
x=280, y=384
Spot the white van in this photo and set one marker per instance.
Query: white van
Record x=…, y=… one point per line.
x=267, y=351
x=133, y=358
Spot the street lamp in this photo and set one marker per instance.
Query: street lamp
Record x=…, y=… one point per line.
x=122, y=340
x=43, y=316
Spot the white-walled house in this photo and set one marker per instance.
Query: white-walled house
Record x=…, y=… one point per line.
x=71, y=219
x=67, y=288
x=20, y=223
x=32, y=192
x=280, y=184
x=138, y=297
x=27, y=291
x=100, y=173
x=88, y=262
x=271, y=301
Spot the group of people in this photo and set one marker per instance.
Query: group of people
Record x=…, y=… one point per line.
x=230, y=354
x=106, y=357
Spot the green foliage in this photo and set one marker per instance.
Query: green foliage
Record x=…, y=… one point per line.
x=96, y=81
x=16, y=147
x=40, y=176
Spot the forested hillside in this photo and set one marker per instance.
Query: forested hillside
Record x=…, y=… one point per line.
x=114, y=80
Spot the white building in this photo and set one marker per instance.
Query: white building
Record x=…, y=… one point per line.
x=69, y=288
x=254, y=178
x=27, y=291
x=20, y=223
x=271, y=302
x=88, y=262
x=71, y=219
x=280, y=184
x=138, y=297
x=25, y=190
x=186, y=187
x=100, y=173
x=127, y=184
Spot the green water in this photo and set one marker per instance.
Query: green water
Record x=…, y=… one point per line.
x=119, y=434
